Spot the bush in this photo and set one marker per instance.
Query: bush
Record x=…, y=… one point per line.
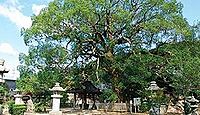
x=19, y=109
x=10, y=106
x=108, y=95
x=145, y=106
x=40, y=107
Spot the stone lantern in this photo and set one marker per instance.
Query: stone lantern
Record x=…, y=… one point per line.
x=3, y=70
x=155, y=109
x=18, y=97
x=153, y=86
x=56, y=99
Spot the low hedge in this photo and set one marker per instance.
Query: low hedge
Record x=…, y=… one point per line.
x=18, y=109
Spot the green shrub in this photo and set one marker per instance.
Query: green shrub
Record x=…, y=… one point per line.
x=19, y=109
x=64, y=102
x=10, y=106
x=40, y=107
x=108, y=95
x=145, y=106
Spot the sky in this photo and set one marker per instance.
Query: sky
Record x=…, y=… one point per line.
x=15, y=14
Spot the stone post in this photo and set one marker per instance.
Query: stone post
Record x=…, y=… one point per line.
x=56, y=99
x=56, y=102
x=18, y=97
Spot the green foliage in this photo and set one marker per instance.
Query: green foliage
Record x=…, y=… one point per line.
x=64, y=101
x=3, y=93
x=145, y=106
x=108, y=95
x=18, y=109
x=40, y=107
x=197, y=92
x=182, y=67
x=3, y=89
x=27, y=84
x=42, y=101
x=10, y=106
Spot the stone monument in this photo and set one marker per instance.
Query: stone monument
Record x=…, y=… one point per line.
x=3, y=70
x=56, y=99
x=18, y=97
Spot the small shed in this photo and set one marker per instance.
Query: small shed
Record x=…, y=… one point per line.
x=87, y=90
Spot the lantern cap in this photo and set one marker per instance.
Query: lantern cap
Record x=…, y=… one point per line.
x=57, y=88
x=153, y=86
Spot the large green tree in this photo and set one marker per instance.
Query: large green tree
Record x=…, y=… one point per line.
x=102, y=40
x=181, y=67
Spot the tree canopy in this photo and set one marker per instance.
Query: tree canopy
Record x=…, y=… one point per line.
x=121, y=43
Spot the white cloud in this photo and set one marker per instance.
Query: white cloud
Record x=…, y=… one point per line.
x=37, y=8
x=11, y=10
x=6, y=48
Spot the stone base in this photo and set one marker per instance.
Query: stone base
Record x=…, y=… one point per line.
x=29, y=113
x=55, y=113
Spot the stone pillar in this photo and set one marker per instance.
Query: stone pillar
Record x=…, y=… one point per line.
x=131, y=105
x=56, y=102
x=18, y=97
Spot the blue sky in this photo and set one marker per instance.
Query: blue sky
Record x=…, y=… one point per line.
x=191, y=10
x=15, y=14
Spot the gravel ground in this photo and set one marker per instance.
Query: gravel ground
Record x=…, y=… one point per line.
x=95, y=112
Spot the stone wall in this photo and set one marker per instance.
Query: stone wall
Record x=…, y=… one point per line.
x=112, y=106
